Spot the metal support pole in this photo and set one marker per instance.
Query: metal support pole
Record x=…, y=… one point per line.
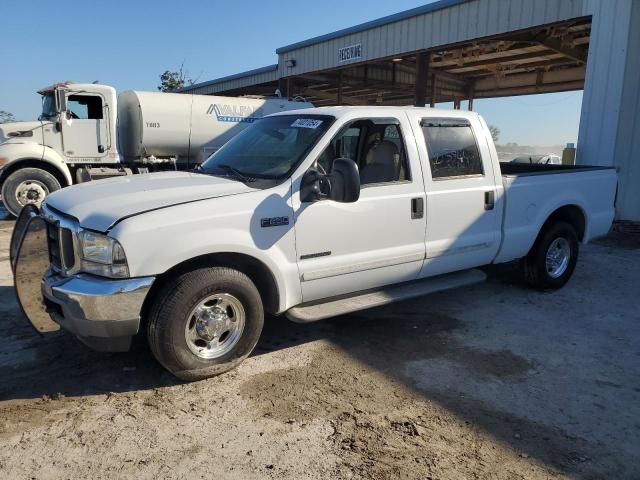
x=283, y=86
x=433, y=90
x=423, y=59
x=339, y=99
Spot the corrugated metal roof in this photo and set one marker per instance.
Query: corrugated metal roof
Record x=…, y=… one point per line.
x=228, y=78
x=431, y=7
x=434, y=25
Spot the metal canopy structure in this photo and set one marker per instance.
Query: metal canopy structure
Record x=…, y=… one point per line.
x=445, y=51
x=457, y=50
x=542, y=60
x=549, y=59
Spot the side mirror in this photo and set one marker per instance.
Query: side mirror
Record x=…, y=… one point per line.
x=341, y=185
x=345, y=181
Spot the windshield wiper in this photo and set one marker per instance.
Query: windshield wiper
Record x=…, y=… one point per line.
x=236, y=173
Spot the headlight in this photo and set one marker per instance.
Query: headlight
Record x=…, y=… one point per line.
x=102, y=255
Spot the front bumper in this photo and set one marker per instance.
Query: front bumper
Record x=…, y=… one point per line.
x=103, y=313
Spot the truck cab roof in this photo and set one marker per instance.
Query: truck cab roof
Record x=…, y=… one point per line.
x=78, y=87
x=366, y=111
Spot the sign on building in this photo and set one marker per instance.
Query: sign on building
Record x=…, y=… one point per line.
x=352, y=52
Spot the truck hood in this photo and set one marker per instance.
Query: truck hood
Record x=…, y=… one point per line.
x=32, y=132
x=97, y=205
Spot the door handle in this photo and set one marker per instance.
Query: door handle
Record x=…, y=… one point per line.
x=417, y=208
x=489, y=200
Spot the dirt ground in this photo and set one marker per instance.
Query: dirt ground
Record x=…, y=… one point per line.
x=493, y=381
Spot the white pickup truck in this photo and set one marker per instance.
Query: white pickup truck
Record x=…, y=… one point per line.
x=312, y=214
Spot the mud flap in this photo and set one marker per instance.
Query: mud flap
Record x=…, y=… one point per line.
x=19, y=229
x=30, y=264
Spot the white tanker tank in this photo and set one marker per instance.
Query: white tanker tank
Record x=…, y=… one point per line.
x=155, y=125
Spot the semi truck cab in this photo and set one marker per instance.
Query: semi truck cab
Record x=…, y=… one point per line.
x=77, y=126
x=84, y=121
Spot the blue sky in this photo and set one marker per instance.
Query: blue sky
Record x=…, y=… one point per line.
x=127, y=44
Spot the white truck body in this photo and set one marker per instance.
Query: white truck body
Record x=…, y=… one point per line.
x=422, y=226
x=87, y=131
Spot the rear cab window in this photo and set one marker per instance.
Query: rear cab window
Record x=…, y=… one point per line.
x=452, y=148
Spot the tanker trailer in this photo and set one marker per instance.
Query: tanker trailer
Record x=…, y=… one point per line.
x=86, y=132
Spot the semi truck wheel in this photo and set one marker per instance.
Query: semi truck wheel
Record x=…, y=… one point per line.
x=205, y=323
x=27, y=186
x=553, y=257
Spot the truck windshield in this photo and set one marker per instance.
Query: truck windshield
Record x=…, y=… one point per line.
x=48, y=107
x=269, y=149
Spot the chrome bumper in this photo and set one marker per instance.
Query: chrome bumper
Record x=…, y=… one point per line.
x=103, y=313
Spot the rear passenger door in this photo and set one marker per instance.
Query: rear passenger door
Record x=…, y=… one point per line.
x=463, y=223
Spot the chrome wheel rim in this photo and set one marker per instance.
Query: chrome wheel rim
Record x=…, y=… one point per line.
x=215, y=326
x=558, y=256
x=31, y=192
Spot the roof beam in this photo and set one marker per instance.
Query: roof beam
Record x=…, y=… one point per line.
x=557, y=45
x=566, y=75
x=346, y=100
x=577, y=54
x=521, y=58
x=529, y=90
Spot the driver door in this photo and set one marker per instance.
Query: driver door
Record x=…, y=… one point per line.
x=375, y=241
x=84, y=130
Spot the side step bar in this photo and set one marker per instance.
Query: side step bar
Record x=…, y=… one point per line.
x=314, y=311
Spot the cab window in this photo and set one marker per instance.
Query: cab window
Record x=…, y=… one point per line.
x=376, y=146
x=452, y=147
x=87, y=107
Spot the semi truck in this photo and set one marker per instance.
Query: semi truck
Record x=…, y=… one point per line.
x=87, y=132
x=310, y=214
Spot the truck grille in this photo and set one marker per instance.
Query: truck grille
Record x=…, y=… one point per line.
x=60, y=242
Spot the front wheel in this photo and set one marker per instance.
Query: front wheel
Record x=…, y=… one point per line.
x=205, y=323
x=553, y=257
x=27, y=186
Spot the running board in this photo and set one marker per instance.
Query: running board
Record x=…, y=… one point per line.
x=314, y=311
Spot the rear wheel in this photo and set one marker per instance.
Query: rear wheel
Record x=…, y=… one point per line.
x=553, y=257
x=27, y=186
x=205, y=323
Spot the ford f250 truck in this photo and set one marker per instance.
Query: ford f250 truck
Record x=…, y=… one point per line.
x=311, y=214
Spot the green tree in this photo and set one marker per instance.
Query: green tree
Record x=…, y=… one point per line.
x=495, y=132
x=6, y=117
x=171, y=81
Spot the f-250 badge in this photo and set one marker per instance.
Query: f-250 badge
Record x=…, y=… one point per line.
x=274, y=221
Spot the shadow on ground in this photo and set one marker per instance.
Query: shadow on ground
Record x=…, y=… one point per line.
x=411, y=345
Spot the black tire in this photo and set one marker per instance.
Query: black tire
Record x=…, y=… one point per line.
x=170, y=313
x=13, y=181
x=535, y=266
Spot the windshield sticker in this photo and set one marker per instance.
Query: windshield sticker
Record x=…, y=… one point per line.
x=306, y=123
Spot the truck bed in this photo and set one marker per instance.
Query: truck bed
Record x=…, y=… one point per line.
x=532, y=192
x=526, y=169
